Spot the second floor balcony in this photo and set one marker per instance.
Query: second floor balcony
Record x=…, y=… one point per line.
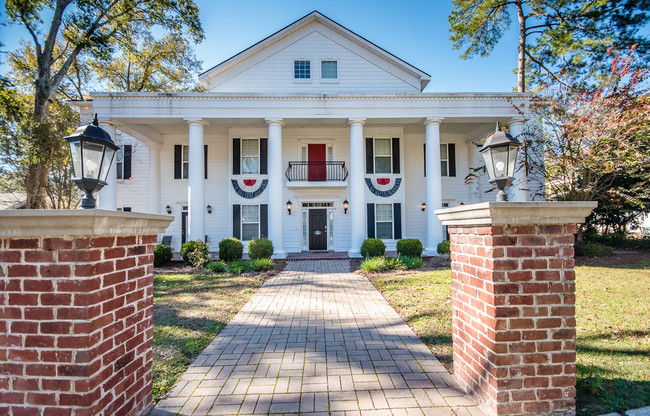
x=326, y=173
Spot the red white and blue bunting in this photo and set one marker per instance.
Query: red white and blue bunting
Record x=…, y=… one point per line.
x=246, y=187
x=383, y=187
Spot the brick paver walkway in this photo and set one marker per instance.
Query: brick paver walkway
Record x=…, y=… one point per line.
x=317, y=340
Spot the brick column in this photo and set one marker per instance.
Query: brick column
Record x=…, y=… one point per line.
x=513, y=304
x=76, y=303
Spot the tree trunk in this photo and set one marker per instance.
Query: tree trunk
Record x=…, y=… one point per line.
x=521, y=60
x=38, y=170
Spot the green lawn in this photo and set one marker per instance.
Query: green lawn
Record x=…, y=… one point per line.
x=189, y=311
x=613, y=326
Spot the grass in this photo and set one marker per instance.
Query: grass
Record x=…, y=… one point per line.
x=189, y=311
x=613, y=329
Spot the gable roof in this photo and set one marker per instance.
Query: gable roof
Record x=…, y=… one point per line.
x=316, y=16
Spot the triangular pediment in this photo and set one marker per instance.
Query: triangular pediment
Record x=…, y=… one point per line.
x=268, y=66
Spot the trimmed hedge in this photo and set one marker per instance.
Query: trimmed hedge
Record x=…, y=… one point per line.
x=373, y=247
x=409, y=247
x=444, y=247
x=260, y=249
x=196, y=253
x=162, y=254
x=230, y=249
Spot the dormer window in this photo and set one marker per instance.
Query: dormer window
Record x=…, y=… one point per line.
x=329, y=69
x=301, y=69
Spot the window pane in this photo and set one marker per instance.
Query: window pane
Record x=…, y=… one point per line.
x=250, y=213
x=186, y=153
x=382, y=147
x=249, y=164
x=385, y=230
x=186, y=169
x=249, y=232
x=329, y=69
x=75, y=148
x=301, y=69
x=443, y=151
x=384, y=212
x=443, y=167
x=249, y=147
x=119, y=158
x=382, y=164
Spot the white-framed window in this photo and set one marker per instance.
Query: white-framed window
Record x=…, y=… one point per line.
x=329, y=70
x=383, y=156
x=250, y=156
x=301, y=69
x=119, y=162
x=444, y=159
x=384, y=221
x=250, y=222
x=185, y=161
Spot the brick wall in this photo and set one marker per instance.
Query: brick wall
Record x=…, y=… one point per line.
x=513, y=316
x=76, y=325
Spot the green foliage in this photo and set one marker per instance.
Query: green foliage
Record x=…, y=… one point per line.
x=196, y=253
x=216, y=266
x=260, y=249
x=412, y=262
x=238, y=267
x=373, y=265
x=382, y=264
x=230, y=249
x=373, y=247
x=410, y=247
x=162, y=254
x=590, y=249
x=262, y=265
x=395, y=263
x=444, y=247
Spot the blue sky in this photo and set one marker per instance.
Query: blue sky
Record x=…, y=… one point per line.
x=415, y=30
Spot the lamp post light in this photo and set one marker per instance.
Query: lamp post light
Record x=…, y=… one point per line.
x=500, y=155
x=346, y=206
x=92, y=151
x=289, y=206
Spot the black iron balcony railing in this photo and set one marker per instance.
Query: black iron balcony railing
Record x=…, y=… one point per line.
x=317, y=171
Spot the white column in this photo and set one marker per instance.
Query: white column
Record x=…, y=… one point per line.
x=433, y=186
x=154, y=178
x=519, y=188
x=108, y=194
x=275, y=188
x=357, y=191
x=196, y=182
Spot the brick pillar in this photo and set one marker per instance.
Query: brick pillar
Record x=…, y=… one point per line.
x=513, y=304
x=76, y=303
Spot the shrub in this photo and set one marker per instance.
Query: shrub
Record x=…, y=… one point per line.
x=373, y=247
x=592, y=250
x=373, y=264
x=162, y=254
x=230, y=249
x=410, y=247
x=395, y=263
x=444, y=247
x=260, y=249
x=262, y=265
x=216, y=266
x=412, y=262
x=240, y=266
x=196, y=253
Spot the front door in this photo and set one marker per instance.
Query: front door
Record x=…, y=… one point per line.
x=317, y=166
x=183, y=226
x=318, y=229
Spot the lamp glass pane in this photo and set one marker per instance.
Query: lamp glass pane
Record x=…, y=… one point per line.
x=487, y=158
x=106, y=165
x=512, y=160
x=75, y=149
x=92, y=159
x=500, y=161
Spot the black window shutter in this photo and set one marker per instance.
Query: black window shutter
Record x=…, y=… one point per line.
x=397, y=221
x=425, y=159
x=264, y=221
x=205, y=160
x=127, y=161
x=396, y=155
x=236, y=156
x=264, y=156
x=371, y=220
x=451, y=154
x=178, y=161
x=370, y=165
x=236, y=221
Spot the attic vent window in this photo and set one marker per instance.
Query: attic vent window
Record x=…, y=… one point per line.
x=301, y=69
x=329, y=69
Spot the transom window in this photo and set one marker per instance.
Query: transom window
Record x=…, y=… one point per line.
x=383, y=156
x=250, y=222
x=250, y=160
x=329, y=69
x=186, y=161
x=384, y=221
x=302, y=69
x=444, y=160
x=317, y=204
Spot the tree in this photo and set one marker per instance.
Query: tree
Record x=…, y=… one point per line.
x=555, y=36
x=76, y=27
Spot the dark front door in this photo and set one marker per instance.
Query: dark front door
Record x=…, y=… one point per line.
x=183, y=226
x=318, y=229
x=316, y=158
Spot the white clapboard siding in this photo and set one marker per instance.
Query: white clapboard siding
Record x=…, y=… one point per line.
x=133, y=192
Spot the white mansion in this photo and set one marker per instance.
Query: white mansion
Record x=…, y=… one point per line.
x=316, y=115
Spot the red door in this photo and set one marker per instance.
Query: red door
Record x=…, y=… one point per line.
x=317, y=167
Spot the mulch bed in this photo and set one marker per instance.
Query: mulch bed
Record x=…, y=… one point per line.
x=180, y=267
x=618, y=258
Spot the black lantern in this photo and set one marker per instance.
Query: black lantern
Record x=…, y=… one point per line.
x=423, y=206
x=289, y=206
x=92, y=151
x=500, y=155
x=209, y=208
x=168, y=209
x=346, y=206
